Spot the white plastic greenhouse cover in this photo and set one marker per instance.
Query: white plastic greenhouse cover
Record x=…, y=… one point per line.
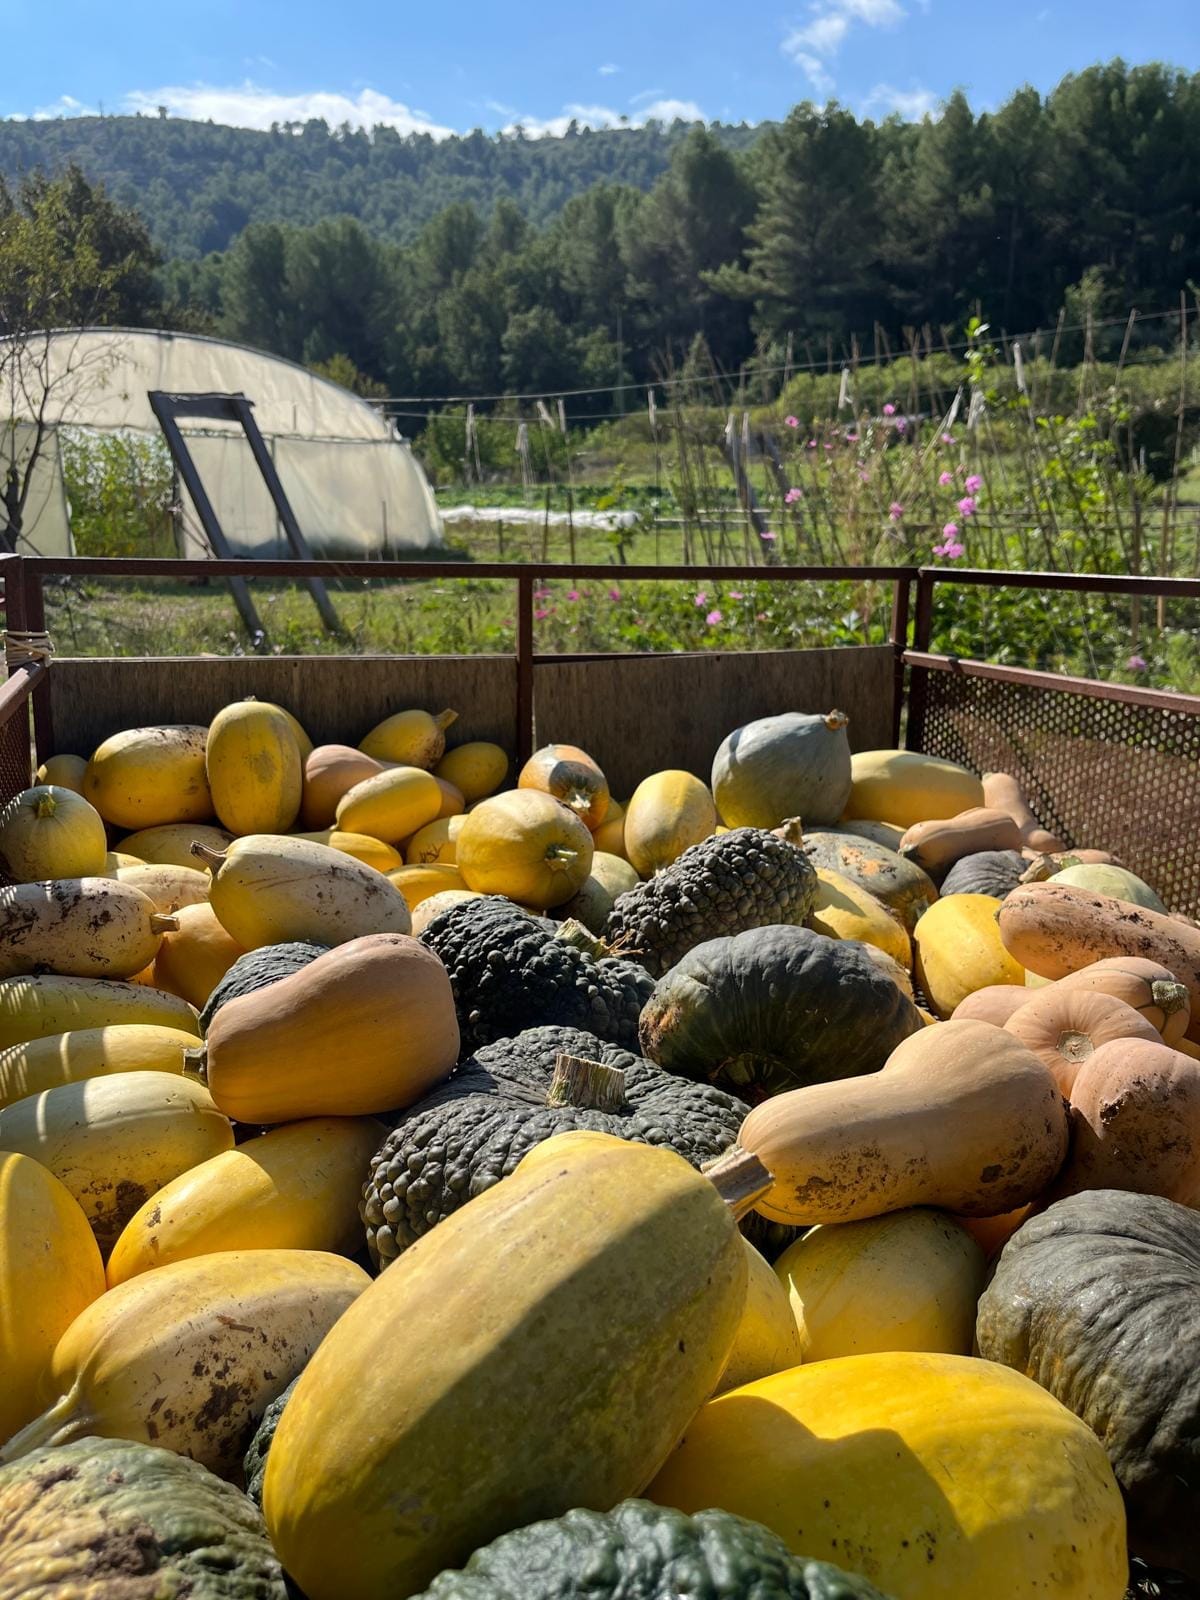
x=354, y=485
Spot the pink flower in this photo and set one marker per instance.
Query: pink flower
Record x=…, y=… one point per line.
x=889, y=410
x=895, y=511
x=713, y=618
x=792, y=422
x=792, y=496
x=614, y=594
x=950, y=532
x=947, y=438
x=901, y=425
x=828, y=447
x=864, y=477
x=572, y=594
x=701, y=598
x=760, y=616
x=951, y=549
x=736, y=594
x=541, y=594
x=812, y=444
x=974, y=483
x=852, y=438
x=945, y=479
x=767, y=534
x=1136, y=664
x=967, y=505
x=541, y=614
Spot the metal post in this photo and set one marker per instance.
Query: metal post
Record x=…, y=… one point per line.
x=43, y=716
x=919, y=677
x=899, y=641
x=525, y=709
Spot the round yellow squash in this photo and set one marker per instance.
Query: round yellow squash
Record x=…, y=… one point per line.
x=48, y=832
x=904, y=787
x=958, y=950
x=293, y=1188
x=68, y=772
x=147, y=777
x=34, y=1006
x=908, y=1281
x=476, y=770
x=767, y=1338
x=254, y=768
x=844, y=910
x=436, y=844
x=937, y=1477
x=50, y=1271
x=409, y=739
x=41, y=1064
x=669, y=812
x=193, y=959
x=392, y=805
x=525, y=845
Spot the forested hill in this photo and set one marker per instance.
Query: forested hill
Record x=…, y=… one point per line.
x=198, y=184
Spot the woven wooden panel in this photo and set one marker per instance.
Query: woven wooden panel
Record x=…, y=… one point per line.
x=1099, y=773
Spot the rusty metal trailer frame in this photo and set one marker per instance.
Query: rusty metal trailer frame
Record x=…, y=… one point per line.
x=1113, y=765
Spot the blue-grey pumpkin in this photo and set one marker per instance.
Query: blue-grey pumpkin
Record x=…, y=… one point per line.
x=787, y=766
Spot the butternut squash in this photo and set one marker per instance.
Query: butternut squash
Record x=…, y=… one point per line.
x=170, y=888
x=410, y=739
x=991, y=1234
x=1055, y=930
x=453, y=800
x=192, y=960
x=41, y=1064
x=844, y=910
x=68, y=772
x=329, y=772
x=936, y=846
x=172, y=846
x=254, y=768
x=421, y=883
x=292, y=1188
x=78, y=927
x=767, y=1338
x=1147, y=986
x=570, y=775
x=937, y=1477
x=595, y=1222
x=370, y=1026
x=962, y=1117
x=391, y=806
x=669, y=812
x=1135, y=1122
x=190, y=1356
x=1004, y=794
x=115, y=1140
x=48, y=832
x=147, y=777
x=373, y=852
x=1065, y=1027
x=435, y=844
x=903, y=787
x=907, y=1281
x=958, y=949
x=476, y=770
x=527, y=846
x=269, y=890
x=995, y=1004
x=35, y=1006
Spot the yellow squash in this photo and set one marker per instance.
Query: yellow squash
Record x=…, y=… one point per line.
x=359, y=845
x=117, y=861
x=527, y=846
x=60, y=1058
x=270, y=890
x=172, y=846
x=476, y=770
x=958, y=950
x=303, y=743
x=193, y=959
x=422, y=883
x=669, y=812
x=908, y=1281
x=190, y=1356
x=903, y=787
x=68, y=772
x=436, y=844
x=293, y=1188
x=170, y=888
x=936, y=1477
x=50, y=1271
x=115, y=1140
x=392, y=805
x=767, y=1338
x=518, y=1397
x=409, y=739
x=145, y=777
x=37, y=1005
x=48, y=832
x=78, y=927
x=610, y=835
x=436, y=904
x=254, y=768
x=843, y=909
x=329, y=772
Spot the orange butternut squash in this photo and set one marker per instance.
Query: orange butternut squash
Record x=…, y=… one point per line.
x=1002, y=793
x=995, y=1004
x=329, y=773
x=1147, y=986
x=1064, y=1027
x=936, y=846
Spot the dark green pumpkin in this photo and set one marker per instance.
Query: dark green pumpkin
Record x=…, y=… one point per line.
x=994, y=872
x=105, y=1519
x=258, y=969
x=645, y=1552
x=254, y=1466
x=899, y=884
x=1096, y=1299
x=775, y=1009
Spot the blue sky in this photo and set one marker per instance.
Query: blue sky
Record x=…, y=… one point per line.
x=452, y=65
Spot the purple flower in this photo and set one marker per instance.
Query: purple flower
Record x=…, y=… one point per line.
x=950, y=532
x=701, y=598
x=767, y=534
x=736, y=594
x=947, y=438
x=792, y=422
x=792, y=496
x=541, y=614
x=895, y=511
x=541, y=594
x=901, y=425
x=713, y=618
x=889, y=410
x=852, y=438
x=974, y=483
x=967, y=505
x=864, y=477
x=828, y=446
x=951, y=549
x=614, y=594
x=1136, y=664
x=812, y=445
x=945, y=479
x=572, y=594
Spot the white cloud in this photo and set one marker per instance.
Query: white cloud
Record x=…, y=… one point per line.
x=607, y=70
x=646, y=94
x=814, y=43
x=65, y=106
x=815, y=72
x=605, y=117
x=910, y=104
x=822, y=35
x=500, y=108
x=670, y=111
x=249, y=105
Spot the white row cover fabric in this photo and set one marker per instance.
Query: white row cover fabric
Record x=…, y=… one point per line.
x=354, y=484
x=46, y=522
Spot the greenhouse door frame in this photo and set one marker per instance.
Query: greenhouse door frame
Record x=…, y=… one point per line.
x=168, y=408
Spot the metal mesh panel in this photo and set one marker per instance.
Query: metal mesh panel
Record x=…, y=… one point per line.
x=15, y=751
x=1102, y=774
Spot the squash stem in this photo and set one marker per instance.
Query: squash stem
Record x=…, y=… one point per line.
x=212, y=858
x=792, y=830
x=45, y=806
x=587, y=1085
x=740, y=1178
x=61, y=1424
x=161, y=923
x=195, y=1062
x=1169, y=997
x=445, y=718
x=573, y=932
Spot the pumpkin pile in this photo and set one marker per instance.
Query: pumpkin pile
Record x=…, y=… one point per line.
x=785, y=1184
